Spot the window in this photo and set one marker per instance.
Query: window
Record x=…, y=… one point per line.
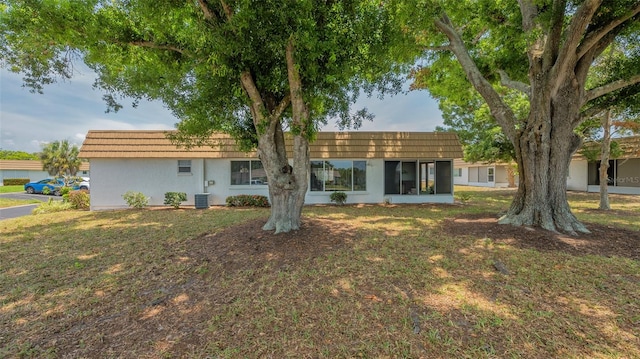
x=248, y=173
x=432, y=177
x=457, y=172
x=490, y=174
x=184, y=166
x=338, y=176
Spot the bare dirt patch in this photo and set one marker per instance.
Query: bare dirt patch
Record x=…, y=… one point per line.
x=603, y=240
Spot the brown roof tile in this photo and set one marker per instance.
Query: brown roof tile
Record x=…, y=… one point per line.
x=30, y=165
x=154, y=144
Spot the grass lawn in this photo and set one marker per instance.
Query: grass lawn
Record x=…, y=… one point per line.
x=11, y=189
x=366, y=281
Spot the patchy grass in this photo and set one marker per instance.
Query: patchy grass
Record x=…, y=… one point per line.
x=372, y=281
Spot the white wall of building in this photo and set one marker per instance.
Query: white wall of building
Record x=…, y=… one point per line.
x=577, y=178
x=111, y=178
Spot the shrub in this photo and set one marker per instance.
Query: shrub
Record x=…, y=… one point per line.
x=136, y=199
x=15, y=181
x=78, y=199
x=52, y=206
x=338, y=197
x=174, y=198
x=65, y=190
x=46, y=190
x=246, y=200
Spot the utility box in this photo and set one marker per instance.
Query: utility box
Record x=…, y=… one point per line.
x=202, y=200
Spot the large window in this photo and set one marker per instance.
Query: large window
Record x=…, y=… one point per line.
x=621, y=172
x=338, y=175
x=417, y=177
x=248, y=173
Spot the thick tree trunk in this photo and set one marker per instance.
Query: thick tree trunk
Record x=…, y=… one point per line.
x=287, y=184
x=604, y=162
x=543, y=151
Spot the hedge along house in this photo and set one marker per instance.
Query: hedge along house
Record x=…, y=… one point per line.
x=623, y=172
x=370, y=167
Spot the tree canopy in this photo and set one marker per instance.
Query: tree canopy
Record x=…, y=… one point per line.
x=538, y=53
x=17, y=155
x=253, y=69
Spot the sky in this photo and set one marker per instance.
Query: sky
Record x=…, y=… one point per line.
x=68, y=110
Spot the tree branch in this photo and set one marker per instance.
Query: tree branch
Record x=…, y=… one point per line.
x=610, y=87
x=529, y=12
x=208, y=14
x=594, y=37
x=573, y=35
x=554, y=38
x=300, y=112
x=227, y=10
x=257, y=104
x=516, y=85
x=500, y=111
x=258, y=109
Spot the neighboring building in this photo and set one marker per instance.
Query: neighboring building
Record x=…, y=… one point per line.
x=371, y=167
x=484, y=174
x=31, y=169
x=623, y=172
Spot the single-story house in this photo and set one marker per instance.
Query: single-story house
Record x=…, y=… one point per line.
x=623, y=172
x=31, y=169
x=371, y=167
x=497, y=175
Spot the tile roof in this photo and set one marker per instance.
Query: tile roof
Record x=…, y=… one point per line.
x=30, y=165
x=154, y=144
x=630, y=147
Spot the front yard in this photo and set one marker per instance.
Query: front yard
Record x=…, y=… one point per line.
x=357, y=281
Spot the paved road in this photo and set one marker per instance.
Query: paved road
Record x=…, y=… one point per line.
x=23, y=210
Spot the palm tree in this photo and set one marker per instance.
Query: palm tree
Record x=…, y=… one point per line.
x=60, y=159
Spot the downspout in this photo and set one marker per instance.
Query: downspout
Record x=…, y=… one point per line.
x=204, y=175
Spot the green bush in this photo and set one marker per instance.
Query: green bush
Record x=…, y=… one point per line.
x=247, y=200
x=174, y=198
x=78, y=199
x=52, y=206
x=46, y=190
x=65, y=190
x=15, y=181
x=338, y=197
x=136, y=199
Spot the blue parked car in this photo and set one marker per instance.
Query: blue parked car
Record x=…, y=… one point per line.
x=54, y=186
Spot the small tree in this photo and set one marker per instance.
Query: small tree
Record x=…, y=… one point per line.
x=60, y=159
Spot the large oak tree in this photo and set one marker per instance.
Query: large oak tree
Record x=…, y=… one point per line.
x=544, y=50
x=251, y=68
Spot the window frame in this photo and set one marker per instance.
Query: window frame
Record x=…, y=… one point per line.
x=183, y=165
x=251, y=168
x=318, y=181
